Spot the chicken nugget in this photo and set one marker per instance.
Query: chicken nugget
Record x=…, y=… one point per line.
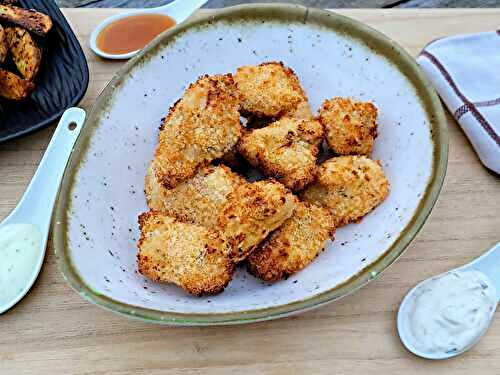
x=350, y=126
x=302, y=111
x=349, y=186
x=197, y=200
x=251, y=212
x=190, y=256
x=285, y=150
x=268, y=90
x=294, y=245
x=202, y=126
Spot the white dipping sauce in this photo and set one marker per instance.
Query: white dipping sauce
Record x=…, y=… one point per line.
x=448, y=313
x=19, y=254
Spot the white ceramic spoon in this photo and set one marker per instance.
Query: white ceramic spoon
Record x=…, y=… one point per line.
x=488, y=264
x=33, y=214
x=179, y=10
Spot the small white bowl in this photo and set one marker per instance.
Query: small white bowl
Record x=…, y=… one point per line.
x=178, y=10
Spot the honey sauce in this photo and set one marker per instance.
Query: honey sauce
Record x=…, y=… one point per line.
x=132, y=33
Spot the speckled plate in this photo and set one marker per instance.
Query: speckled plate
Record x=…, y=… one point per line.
x=95, y=224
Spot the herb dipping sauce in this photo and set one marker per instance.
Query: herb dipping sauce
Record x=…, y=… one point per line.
x=448, y=313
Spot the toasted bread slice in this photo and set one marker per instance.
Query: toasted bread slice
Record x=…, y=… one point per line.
x=30, y=19
x=4, y=47
x=14, y=88
x=25, y=53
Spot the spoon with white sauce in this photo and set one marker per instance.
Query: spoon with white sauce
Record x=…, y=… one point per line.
x=177, y=11
x=446, y=315
x=24, y=233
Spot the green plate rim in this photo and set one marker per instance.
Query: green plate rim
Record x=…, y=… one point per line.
x=284, y=12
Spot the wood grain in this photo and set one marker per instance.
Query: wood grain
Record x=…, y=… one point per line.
x=54, y=331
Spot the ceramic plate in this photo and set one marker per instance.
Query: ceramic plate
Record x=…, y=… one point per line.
x=102, y=193
x=61, y=82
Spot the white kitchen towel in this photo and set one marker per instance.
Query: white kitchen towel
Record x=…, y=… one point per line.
x=465, y=71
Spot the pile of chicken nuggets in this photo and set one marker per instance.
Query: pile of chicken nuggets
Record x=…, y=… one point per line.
x=206, y=217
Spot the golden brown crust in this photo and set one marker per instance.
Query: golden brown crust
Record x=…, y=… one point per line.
x=30, y=19
x=4, y=48
x=302, y=111
x=285, y=150
x=294, y=245
x=25, y=53
x=251, y=212
x=268, y=90
x=349, y=186
x=14, y=88
x=201, y=127
x=197, y=200
x=350, y=126
x=190, y=256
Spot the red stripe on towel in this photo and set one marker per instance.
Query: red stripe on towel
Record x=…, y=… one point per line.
x=468, y=104
x=464, y=109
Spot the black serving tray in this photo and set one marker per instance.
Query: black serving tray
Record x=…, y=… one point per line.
x=61, y=82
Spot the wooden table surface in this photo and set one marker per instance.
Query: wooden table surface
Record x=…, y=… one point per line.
x=54, y=331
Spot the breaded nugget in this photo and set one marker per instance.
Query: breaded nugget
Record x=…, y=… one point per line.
x=268, y=90
x=190, y=256
x=350, y=126
x=349, y=186
x=285, y=150
x=201, y=127
x=294, y=245
x=197, y=200
x=251, y=212
x=302, y=111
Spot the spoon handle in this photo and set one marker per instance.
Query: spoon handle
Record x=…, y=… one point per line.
x=38, y=200
x=182, y=9
x=489, y=264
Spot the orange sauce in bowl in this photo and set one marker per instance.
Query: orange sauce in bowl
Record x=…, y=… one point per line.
x=132, y=33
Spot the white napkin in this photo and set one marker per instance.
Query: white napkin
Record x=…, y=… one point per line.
x=465, y=71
